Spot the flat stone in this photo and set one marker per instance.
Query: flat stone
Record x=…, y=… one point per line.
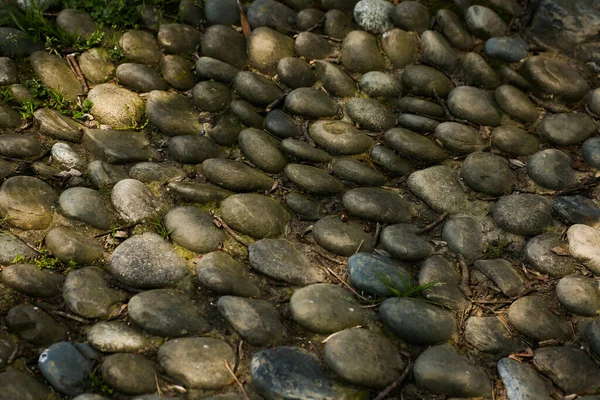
x=402, y=242
x=147, y=261
x=152, y=311
x=569, y=368
x=360, y=52
x=370, y=114
x=256, y=88
x=304, y=151
x=177, y=71
x=281, y=125
x=576, y=210
x=96, y=65
x=140, y=77
x=503, y=274
x=489, y=335
x=57, y=125
x=363, y=357
x=116, y=106
x=133, y=200
x=474, y=105
x=487, y=173
x=417, y=322
x=193, y=229
x=225, y=44
x=334, y=79
x=129, y=373
x=579, y=295
x=374, y=15
x=262, y=149
x=282, y=261
x=210, y=68
x=454, y=29
x=11, y=247
x=254, y=214
x=20, y=146
x=545, y=326
x=34, y=325
x=339, y=137
x=85, y=205
x=311, y=103
x=192, y=149
x=140, y=46
x=56, y=74
x=266, y=47
x=32, y=281
x=460, y=138
x=507, y=49
x=523, y=214
x=178, y=38
x=567, y=129
x=256, y=321
x=87, y=293
x=484, y=22
x=313, y=179
x=540, y=254
x=583, y=246
x=514, y=141
x=234, y=175
x=464, y=235
x=444, y=283
x=516, y=103
x=221, y=274
x=198, y=192
x=414, y=145
x=326, y=308
x=437, y=51
x=69, y=244
x=119, y=337
x=376, y=274
x=172, y=114
x=343, y=238
x=26, y=202
x=401, y=47
x=118, y=147
x=198, y=363
x=521, y=381
x=352, y=170
x=67, y=366
x=556, y=78
x=439, y=188
x=376, y=204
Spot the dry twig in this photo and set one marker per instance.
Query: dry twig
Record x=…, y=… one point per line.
x=464, y=283
x=237, y=380
x=432, y=225
x=396, y=383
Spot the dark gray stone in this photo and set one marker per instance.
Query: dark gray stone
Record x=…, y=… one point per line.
x=444, y=282
x=576, y=210
x=304, y=151
x=281, y=125
x=464, y=235
x=454, y=29
x=313, y=179
x=352, y=170
x=295, y=72
x=210, y=68
x=567, y=129
x=311, y=103
x=375, y=274
x=402, y=242
x=192, y=149
x=507, y=49
x=551, y=168
x=225, y=44
x=412, y=16
x=256, y=321
x=193, y=229
x=503, y=274
x=545, y=326
x=140, y=77
x=377, y=204
x=556, y=78
x=67, y=366
x=514, y=141
x=34, y=325
x=484, y=22
x=360, y=52
x=85, y=205
x=118, y=147
x=254, y=214
x=523, y=214
x=487, y=173
x=211, y=96
x=339, y=137
x=460, y=138
x=437, y=51
x=569, y=368
x=235, y=176
x=438, y=187
x=256, y=88
x=540, y=255
x=133, y=200
x=272, y=14
x=334, y=79
x=402, y=48
x=262, y=149
x=32, y=281
x=223, y=275
x=87, y=293
x=343, y=238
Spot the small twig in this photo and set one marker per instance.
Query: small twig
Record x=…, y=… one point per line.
x=276, y=103
x=221, y=224
x=464, y=283
x=590, y=112
x=345, y=284
x=396, y=383
x=71, y=316
x=449, y=115
x=359, y=246
x=236, y=380
x=318, y=24
x=13, y=355
x=555, y=108
x=378, y=229
x=306, y=133
x=328, y=258
x=158, y=389
x=323, y=36
x=75, y=67
x=120, y=228
x=432, y=225
x=493, y=301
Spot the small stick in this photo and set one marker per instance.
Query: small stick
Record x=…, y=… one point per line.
x=119, y=228
x=328, y=258
x=75, y=67
x=396, y=383
x=221, y=224
x=323, y=36
x=464, y=283
x=493, y=301
x=378, y=229
x=276, y=103
x=432, y=225
x=13, y=355
x=315, y=26
x=345, y=284
x=71, y=316
x=359, y=246
x=449, y=115
x=236, y=380
x=158, y=389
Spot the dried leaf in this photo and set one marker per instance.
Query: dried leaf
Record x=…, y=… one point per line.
x=176, y=179
x=245, y=24
x=517, y=163
x=514, y=357
x=560, y=250
x=580, y=165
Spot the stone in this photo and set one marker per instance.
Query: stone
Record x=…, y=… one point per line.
x=193, y=229
x=262, y=149
x=304, y=151
x=281, y=125
x=326, y=308
x=271, y=14
x=295, y=73
x=308, y=17
x=177, y=71
x=12, y=246
x=375, y=274
x=569, y=368
x=235, y=176
x=256, y=88
x=460, y=138
x=514, y=141
x=363, y=357
x=583, y=246
x=71, y=245
x=282, y=261
x=118, y=147
x=26, y=202
x=551, y=168
x=484, y=23
x=374, y=16
x=334, y=79
x=411, y=16
x=246, y=113
x=352, y=170
x=87, y=293
x=8, y=71
x=464, y=236
x=311, y=103
x=133, y=201
x=9, y=118
x=96, y=65
x=338, y=23
x=380, y=84
x=579, y=295
x=507, y=49
x=489, y=335
x=129, y=373
x=439, y=188
x=85, y=205
x=32, y=281
x=198, y=192
x=360, y=52
x=198, y=363
x=312, y=179
x=140, y=77
x=226, y=130
x=67, y=366
x=376, y=204
x=442, y=370
x=516, y=103
x=266, y=47
x=255, y=215
x=222, y=12
x=151, y=172
x=211, y=96
x=545, y=326
x=65, y=156
x=14, y=42
x=339, y=137
x=18, y=384
x=192, y=149
x=256, y=321
x=419, y=106
x=34, y=325
x=303, y=206
x=417, y=322
x=56, y=74
x=556, y=78
x=152, y=311
x=225, y=44
x=590, y=151
x=422, y=80
x=391, y=163
x=443, y=281
x=474, y=105
x=523, y=214
x=452, y=27
x=503, y=274
x=487, y=173
x=119, y=337
x=172, y=113
x=576, y=210
x=540, y=254
x=343, y=238
x=273, y=369
x=116, y=106
x=221, y=274
x=402, y=48
x=208, y=68
x=20, y=146
x=521, y=381
x=178, y=38
x=370, y=114
x=147, y=261
x=567, y=129
x=402, y=242
x=140, y=46
x=437, y=51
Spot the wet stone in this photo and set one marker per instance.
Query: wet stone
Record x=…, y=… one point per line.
x=178, y=38
x=417, y=322
x=503, y=274
x=221, y=274
x=34, y=325
x=140, y=46
x=523, y=214
x=411, y=16
x=280, y=260
x=246, y=113
x=129, y=373
x=85, y=205
x=579, y=295
x=14, y=42
x=256, y=321
x=172, y=114
x=193, y=229
x=68, y=244
x=147, y=261
x=8, y=71
x=556, y=78
x=312, y=179
x=273, y=369
x=374, y=15
x=567, y=129
x=65, y=156
x=421, y=80
x=235, y=176
x=487, y=173
x=119, y=337
x=149, y=172
x=484, y=22
x=311, y=103
x=304, y=151
x=198, y=363
x=132, y=200
x=545, y=326
x=363, y=357
x=391, y=163
x=414, y=146
x=360, y=52
x=369, y=273
x=514, y=141
x=352, y=170
x=442, y=370
x=67, y=366
x=474, y=105
x=326, y=308
x=115, y=106
x=177, y=71
x=576, y=210
x=303, y=206
x=192, y=149
x=402, y=242
x=295, y=72
x=437, y=51
x=256, y=88
x=460, y=138
x=32, y=281
x=281, y=125
x=117, y=147
x=440, y=274
x=551, y=168
x=343, y=238
x=225, y=44
x=254, y=214
x=11, y=246
x=87, y=293
x=439, y=188
x=402, y=48
x=211, y=96
x=489, y=335
x=583, y=246
x=464, y=236
x=311, y=46
x=376, y=204
x=334, y=79
x=140, y=77
x=153, y=311
x=521, y=380
x=515, y=103
x=507, y=49
x=26, y=202
x=453, y=28
x=570, y=369
x=590, y=150
x=370, y=114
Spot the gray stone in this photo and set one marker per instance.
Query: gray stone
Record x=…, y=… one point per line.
x=254, y=214
x=247, y=113
x=8, y=71
x=308, y=17
x=334, y=79
x=569, y=368
x=149, y=172
x=489, y=335
x=140, y=77
x=225, y=132
x=281, y=125
x=545, y=326
x=343, y=238
x=12, y=246
x=590, y=150
x=262, y=149
x=376, y=274
x=438, y=187
x=326, y=308
x=523, y=214
x=211, y=96
x=172, y=114
x=256, y=321
x=68, y=245
x=20, y=385
x=338, y=23
x=234, y=175
x=118, y=147
x=14, y=42
x=437, y=51
x=96, y=65
x=541, y=256
x=376, y=204
x=392, y=164
x=567, y=129
x=225, y=44
x=312, y=179
x=304, y=151
x=133, y=201
x=514, y=141
x=460, y=138
x=85, y=205
x=507, y=49
x=411, y=16
x=116, y=106
x=417, y=322
x=223, y=275
x=34, y=325
x=402, y=242
x=270, y=13
x=129, y=373
x=192, y=149
x=576, y=210
x=17, y=145
x=193, y=229
x=303, y=206
x=147, y=261
x=478, y=72
x=579, y=295
x=503, y=274
x=370, y=114
x=67, y=366
x=140, y=46
x=417, y=123
x=474, y=105
x=521, y=381
x=443, y=281
x=551, y=168
x=464, y=236
x=352, y=170
x=452, y=27
x=421, y=80
x=402, y=48
x=198, y=192
x=414, y=146
x=87, y=293
x=9, y=118
x=266, y=47
x=178, y=38
x=119, y=337
x=339, y=137
x=295, y=72
x=311, y=103
x=222, y=12
x=487, y=173
x=556, y=78
x=484, y=22
x=56, y=74
x=32, y=281
x=210, y=68
x=374, y=15
x=360, y=52
x=256, y=88
x=380, y=84
x=177, y=71
x=515, y=103
x=26, y=202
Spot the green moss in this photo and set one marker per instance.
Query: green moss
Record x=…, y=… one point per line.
x=184, y=253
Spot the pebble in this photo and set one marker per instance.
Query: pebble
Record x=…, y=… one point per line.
x=352, y=170
x=377, y=275
x=567, y=129
x=20, y=146
x=312, y=179
x=419, y=106
x=380, y=84
x=225, y=44
x=417, y=123
x=342, y=237
x=57, y=125
x=453, y=28
x=96, y=65
x=487, y=173
x=443, y=281
x=484, y=23
x=521, y=380
x=402, y=242
x=326, y=308
x=55, y=73
x=516, y=103
x=391, y=163
x=415, y=146
x=133, y=200
x=295, y=73
x=18, y=384
x=34, y=325
x=178, y=38
x=221, y=274
x=438, y=52
x=172, y=113
x=11, y=247
x=149, y=172
x=190, y=149
x=193, y=229
x=489, y=335
x=583, y=246
x=266, y=47
x=438, y=187
x=26, y=202
x=523, y=214
x=576, y=210
x=338, y=23
x=464, y=235
x=140, y=78
x=225, y=132
x=177, y=72
x=246, y=113
x=360, y=52
x=305, y=207
x=140, y=46
x=376, y=204
x=303, y=151
x=545, y=326
x=67, y=366
x=412, y=16
x=579, y=295
x=503, y=274
x=198, y=192
x=222, y=12
x=235, y=176
x=272, y=14
x=32, y=281
x=570, y=369
x=401, y=47
x=313, y=47
x=114, y=147
x=281, y=125
x=115, y=106
x=254, y=214
x=541, y=255
x=256, y=321
x=129, y=373
x=474, y=105
x=119, y=337
x=211, y=96
x=334, y=79
x=507, y=49
x=280, y=260
x=460, y=138
x=555, y=77
x=262, y=150
x=551, y=168
x=514, y=141
x=210, y=68
x=85, y=205
x=370, y=114
x=374, y=15
x=421, y=80
x=87, y=293
x=311, y=103
x=256, y=88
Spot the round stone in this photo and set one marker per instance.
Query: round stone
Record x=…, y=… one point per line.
x=523, y=214
x=342, y=237
x=267, y=47
x=422, y=80
x=193, y=229
x=32, y=281
x=378, y=275
x=411, y=16
x=295, y=72
x=313, y=179
x=580, y=295
x=339, y=137
x=26, y=202
x=402, y=242
x=402, y=48
x=484, y=22
x=567, y=129
x=474, y=105
x=370, y=114
x=311, y=103
x=360, y=52
x=211, y=96
x=460, y=138
x=132, y=200
x=376, y=204
x=262, y=149
x=514, y=141
x=87, y=293
x=255, y=215
x=551, y=168
x=115, y=106
x=545, y=326
x=223, y=275
x=487, y=173
x=72, y=245
x=555, y=77
x=85, y=205
x=374, y=15
x=516, y=103
x=129, y=373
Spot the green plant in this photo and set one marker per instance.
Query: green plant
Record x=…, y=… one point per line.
x=6, y=95
x=84, y=108
x=160, y=227
x=27, y=109
x=408, y=289
x=495, y=248
x=46, y=261
x=99, y=384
